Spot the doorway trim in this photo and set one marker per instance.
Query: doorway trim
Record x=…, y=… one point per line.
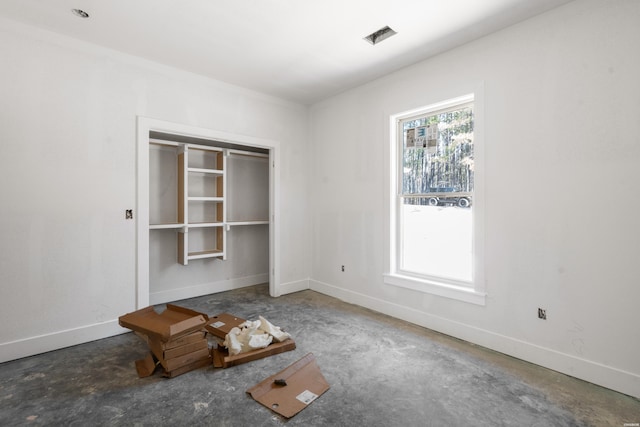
x=146, y=125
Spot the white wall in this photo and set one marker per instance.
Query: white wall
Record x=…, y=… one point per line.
x=68, y=172
x=561, y=103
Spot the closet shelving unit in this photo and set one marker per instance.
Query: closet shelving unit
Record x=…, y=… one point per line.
x=201, y=191
x=191, y=197
x=200, y=201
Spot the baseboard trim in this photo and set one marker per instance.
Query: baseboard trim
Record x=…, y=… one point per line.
x=291, y=287
x=206, y=289
x=596, y=373
x=54, y=341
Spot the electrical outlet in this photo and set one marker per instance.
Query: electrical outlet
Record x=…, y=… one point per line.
x=542, y=314
x=343, y=268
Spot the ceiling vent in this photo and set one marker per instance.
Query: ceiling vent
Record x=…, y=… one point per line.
x=79, y=12
x=381, y=34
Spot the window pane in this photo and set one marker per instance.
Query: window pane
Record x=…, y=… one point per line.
x=438, y=153
x=437, y=194
x=436, y=241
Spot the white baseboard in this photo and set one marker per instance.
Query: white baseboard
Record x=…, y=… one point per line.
x=291, y=287
x=606, y=376
x=54, y=341
x=206, y=289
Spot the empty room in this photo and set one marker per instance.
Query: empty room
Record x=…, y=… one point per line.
x=406, y=213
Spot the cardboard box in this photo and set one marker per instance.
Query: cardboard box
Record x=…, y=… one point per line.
x=147, y=366
x=187, y=339
x=221, y=324
x=205, y=361
x=222, y=359
x=164, y=351
x=167, y=353
x=171, y=324
x=292, y=389
x=176, y=338
x=185, y=359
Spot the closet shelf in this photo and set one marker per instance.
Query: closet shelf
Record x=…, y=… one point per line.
x=256, y=222
x=174, y=225
x=205, y=199
x=206, y=171
x=205, y=254
x=205, y=224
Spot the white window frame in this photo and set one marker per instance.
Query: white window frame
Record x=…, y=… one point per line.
x=473, y=292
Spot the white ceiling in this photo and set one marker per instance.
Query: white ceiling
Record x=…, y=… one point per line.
x=299, y=50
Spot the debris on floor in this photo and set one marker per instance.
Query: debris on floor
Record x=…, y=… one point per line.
x=235, y=346
x=176, y=338
x=292, y=389
x=253, y=335
x=178, y=343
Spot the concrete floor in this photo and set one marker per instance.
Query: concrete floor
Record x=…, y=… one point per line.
x=382, y=372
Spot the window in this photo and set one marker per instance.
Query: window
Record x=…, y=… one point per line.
x=433, y=181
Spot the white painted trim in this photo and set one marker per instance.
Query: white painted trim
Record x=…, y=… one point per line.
x=441, y=287
x=597, y=373
x=460, y=293
x=57, y=340
x=146, y=125
x=297, y=286
x=206, y=288
x=142, y=213
x=275, y=287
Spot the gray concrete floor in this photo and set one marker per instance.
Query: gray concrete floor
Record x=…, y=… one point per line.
x=382, y=372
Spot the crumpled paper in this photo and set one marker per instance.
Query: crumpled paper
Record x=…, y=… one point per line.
x=252, y=335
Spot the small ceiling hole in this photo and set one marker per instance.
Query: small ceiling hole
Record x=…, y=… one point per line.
x=79, y=12
x=382, y=34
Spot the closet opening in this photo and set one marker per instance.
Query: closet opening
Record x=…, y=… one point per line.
x=207, y=212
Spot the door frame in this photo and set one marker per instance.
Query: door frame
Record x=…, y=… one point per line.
x=145, y=125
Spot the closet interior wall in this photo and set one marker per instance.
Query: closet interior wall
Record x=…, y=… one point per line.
x=208, y=219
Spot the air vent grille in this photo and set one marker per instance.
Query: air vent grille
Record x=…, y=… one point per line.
x=382, y=34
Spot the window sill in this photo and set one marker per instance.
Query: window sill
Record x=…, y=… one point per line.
x=434, y=287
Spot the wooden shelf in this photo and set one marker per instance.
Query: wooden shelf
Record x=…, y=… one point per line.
x=205, y=254
x=205, y=224
x=206, y=171
x=238, y=223
x=167, y=226
x=205, y=199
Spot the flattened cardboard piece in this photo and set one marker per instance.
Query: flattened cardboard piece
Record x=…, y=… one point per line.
x=304, y=384
x=221, y=324
x=188, y=368
x=146, y=367
x=177, y=342
x=222, y=359
x=164, y=354
x=172, y=323
x=184, y=360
